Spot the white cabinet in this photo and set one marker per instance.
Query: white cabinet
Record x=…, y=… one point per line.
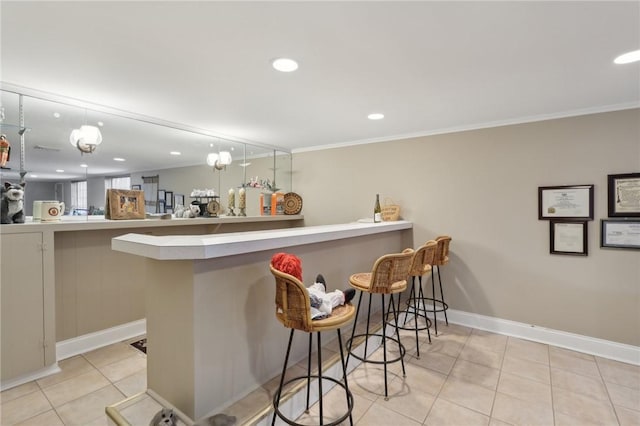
x=22, y=304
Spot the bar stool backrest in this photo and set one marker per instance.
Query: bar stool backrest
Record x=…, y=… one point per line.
x=293, y=308
x=423, y=259
x=442, y=251
x=390, y=269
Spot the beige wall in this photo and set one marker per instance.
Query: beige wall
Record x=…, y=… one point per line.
x=481, y=187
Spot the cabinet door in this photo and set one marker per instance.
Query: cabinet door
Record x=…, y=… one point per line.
x=21, y=284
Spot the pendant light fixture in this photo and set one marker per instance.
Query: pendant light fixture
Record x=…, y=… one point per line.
x=86, y=138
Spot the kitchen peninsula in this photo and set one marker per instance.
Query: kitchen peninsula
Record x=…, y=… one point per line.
x=211, y=329
x=64, y=291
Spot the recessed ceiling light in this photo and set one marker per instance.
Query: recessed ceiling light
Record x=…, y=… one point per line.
x=84, y=165
x=56, y=115
x=60, y=171
x=100, y=123
x=628, y=57
x=118, y=159
x=175, y=153
x=285, y=64
x=33, y=176
x=375, y=116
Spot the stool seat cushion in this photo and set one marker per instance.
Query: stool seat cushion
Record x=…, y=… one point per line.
x=362, y=281
x=340, y=315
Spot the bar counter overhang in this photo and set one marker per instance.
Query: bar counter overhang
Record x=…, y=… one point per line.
x=211, y=329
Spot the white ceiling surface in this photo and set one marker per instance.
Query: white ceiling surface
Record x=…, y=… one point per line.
x=428, y=66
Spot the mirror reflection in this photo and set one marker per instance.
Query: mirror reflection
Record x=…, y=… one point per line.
x=45, y=155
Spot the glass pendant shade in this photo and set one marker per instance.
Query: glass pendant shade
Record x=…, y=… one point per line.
x=212, y=159
x=86, y=138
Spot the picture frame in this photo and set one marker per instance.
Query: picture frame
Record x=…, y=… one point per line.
x=168, y=199
x=178, y=199
x=136, y=187
x=568, y=237
x=124, y=204
x=569, y=202
x=624, y=195
x=620, y=233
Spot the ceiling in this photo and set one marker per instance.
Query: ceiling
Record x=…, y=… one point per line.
x=429, y=67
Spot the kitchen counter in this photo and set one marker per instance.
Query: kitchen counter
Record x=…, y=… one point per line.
x=85, y=223
x=65, y=291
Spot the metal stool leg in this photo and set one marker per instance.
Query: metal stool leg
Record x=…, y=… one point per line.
x=424, y=307
x=353, y=329
x=284, y=369
x=400, y=348
x=433, y=293
x=384, y=351
x=320, y=377
x=366, y=342
x=444, y=306
x=344, y=372
x=309, y=372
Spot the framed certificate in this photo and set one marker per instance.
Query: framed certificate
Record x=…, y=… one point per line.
x=620, y=233
x=624, y=195
x=568, y=237
x=565, y=202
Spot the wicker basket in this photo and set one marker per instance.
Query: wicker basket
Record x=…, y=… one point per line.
x=390, y=211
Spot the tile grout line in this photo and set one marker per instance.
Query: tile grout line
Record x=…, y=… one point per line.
x=495, y=395
x=606, y=388
x=553, y=409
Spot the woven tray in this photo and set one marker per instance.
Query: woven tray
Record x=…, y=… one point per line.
x=292, y=203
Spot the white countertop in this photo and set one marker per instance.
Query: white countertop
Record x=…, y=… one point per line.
x=181, y=247
x=88, y=223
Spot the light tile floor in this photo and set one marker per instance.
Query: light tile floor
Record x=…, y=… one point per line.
x=78, y=394
x=465, y=377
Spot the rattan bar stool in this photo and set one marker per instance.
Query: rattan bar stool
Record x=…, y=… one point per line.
x=293, y=310
x=420, y=265
x=441, y=258
x=389, y=276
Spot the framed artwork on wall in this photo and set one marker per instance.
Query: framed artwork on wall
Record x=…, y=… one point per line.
x=565, y=202
x=624, y=195
x=568, y=237
x=620, y=233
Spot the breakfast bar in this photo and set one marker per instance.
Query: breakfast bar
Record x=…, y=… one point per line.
x=211, y=329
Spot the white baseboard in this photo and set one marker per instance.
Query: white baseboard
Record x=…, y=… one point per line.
x=591, y=345
x=35, y=375
x=88, y=342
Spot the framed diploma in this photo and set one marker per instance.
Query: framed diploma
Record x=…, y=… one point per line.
x=624, y=195
x=565, y=202
x=620, y=233
x=568, y=237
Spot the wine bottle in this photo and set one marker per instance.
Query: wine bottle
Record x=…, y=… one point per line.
x=377, y=212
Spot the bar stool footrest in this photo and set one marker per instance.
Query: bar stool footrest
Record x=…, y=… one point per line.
x=440, y=305
x=371, y=361
x=314, y=376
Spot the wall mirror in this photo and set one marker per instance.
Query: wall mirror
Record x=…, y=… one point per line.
x=132, y=147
